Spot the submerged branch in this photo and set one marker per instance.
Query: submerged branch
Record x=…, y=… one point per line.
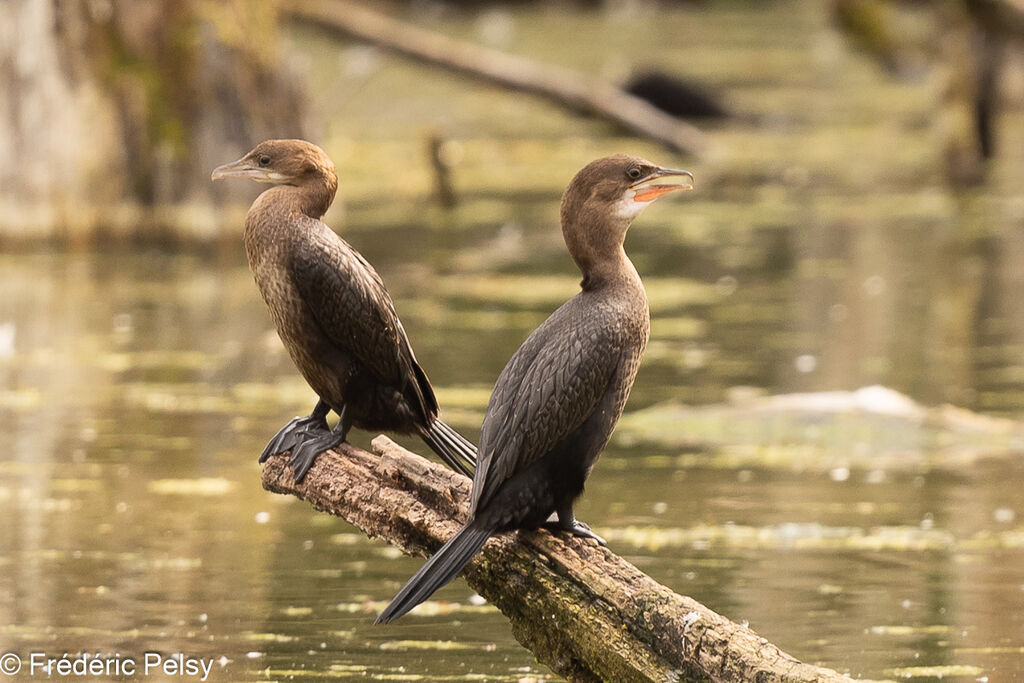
x=581, y=609
x=574, y=90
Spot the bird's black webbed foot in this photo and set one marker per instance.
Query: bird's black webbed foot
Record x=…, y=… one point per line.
x=582, y=529
x=295, y=432
x=569, y=523
x=305, y=454
x=298, y=430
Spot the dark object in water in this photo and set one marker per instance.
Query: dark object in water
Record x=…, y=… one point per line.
x=675, y=96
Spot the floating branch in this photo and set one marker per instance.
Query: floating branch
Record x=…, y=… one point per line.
x=577, y=91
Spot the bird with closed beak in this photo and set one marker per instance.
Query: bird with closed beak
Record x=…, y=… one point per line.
x=333, y=314
x=555, y=404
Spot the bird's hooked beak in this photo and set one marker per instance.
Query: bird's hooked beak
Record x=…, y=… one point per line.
x=647, y=189
x=245, y=168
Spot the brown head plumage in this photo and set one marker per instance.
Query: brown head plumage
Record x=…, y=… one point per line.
x=604, y=198
x=288, y=162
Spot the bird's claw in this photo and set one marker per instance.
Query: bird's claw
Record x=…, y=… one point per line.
x=297, y=430
x=574, y=527
x=305, y=454
x=582, y=530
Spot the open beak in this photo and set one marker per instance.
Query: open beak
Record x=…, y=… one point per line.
x=648, y=189
x=243, y=168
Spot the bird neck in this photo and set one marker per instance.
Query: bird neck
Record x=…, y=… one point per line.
x=595, y=242
x=312, y=198
x=276, y=213
x=608, y=271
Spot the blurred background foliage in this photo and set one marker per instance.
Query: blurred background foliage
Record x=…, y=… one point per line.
x=115, y=110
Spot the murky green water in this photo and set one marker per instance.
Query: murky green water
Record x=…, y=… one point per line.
x=822, y=250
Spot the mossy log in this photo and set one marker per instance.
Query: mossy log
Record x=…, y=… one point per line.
x=577, y=91
x=583, y=611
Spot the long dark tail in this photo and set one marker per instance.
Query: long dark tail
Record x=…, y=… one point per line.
x=457, y=451
x=439, y=570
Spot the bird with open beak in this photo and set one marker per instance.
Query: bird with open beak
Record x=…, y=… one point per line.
x=557, y=401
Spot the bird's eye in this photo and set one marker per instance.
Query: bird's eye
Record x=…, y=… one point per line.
x=264, y=160
x=633, y=173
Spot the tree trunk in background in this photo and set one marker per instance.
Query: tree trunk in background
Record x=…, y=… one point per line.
x=969, y=58
x=113, y=114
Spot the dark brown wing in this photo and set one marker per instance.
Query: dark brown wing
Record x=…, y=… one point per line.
x=349, y=301
x=550, y=386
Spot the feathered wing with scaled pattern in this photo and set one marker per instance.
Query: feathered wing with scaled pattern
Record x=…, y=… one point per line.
x=356, y=287
x=565, y=367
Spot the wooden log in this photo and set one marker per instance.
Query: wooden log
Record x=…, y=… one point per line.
x=572, y=89
x=582, y=610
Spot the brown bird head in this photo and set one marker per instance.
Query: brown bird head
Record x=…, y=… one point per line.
x=604, y=198
x=295, y=163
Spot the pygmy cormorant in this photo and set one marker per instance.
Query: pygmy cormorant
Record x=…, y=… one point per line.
x=556, y=403
x=333, y=314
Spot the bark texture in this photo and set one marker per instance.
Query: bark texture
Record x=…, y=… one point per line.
x=577, y=91
x=581, y=609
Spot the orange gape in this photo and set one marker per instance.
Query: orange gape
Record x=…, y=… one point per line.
x=655, y=191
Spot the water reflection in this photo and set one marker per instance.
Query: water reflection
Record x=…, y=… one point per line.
x=140, y=387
